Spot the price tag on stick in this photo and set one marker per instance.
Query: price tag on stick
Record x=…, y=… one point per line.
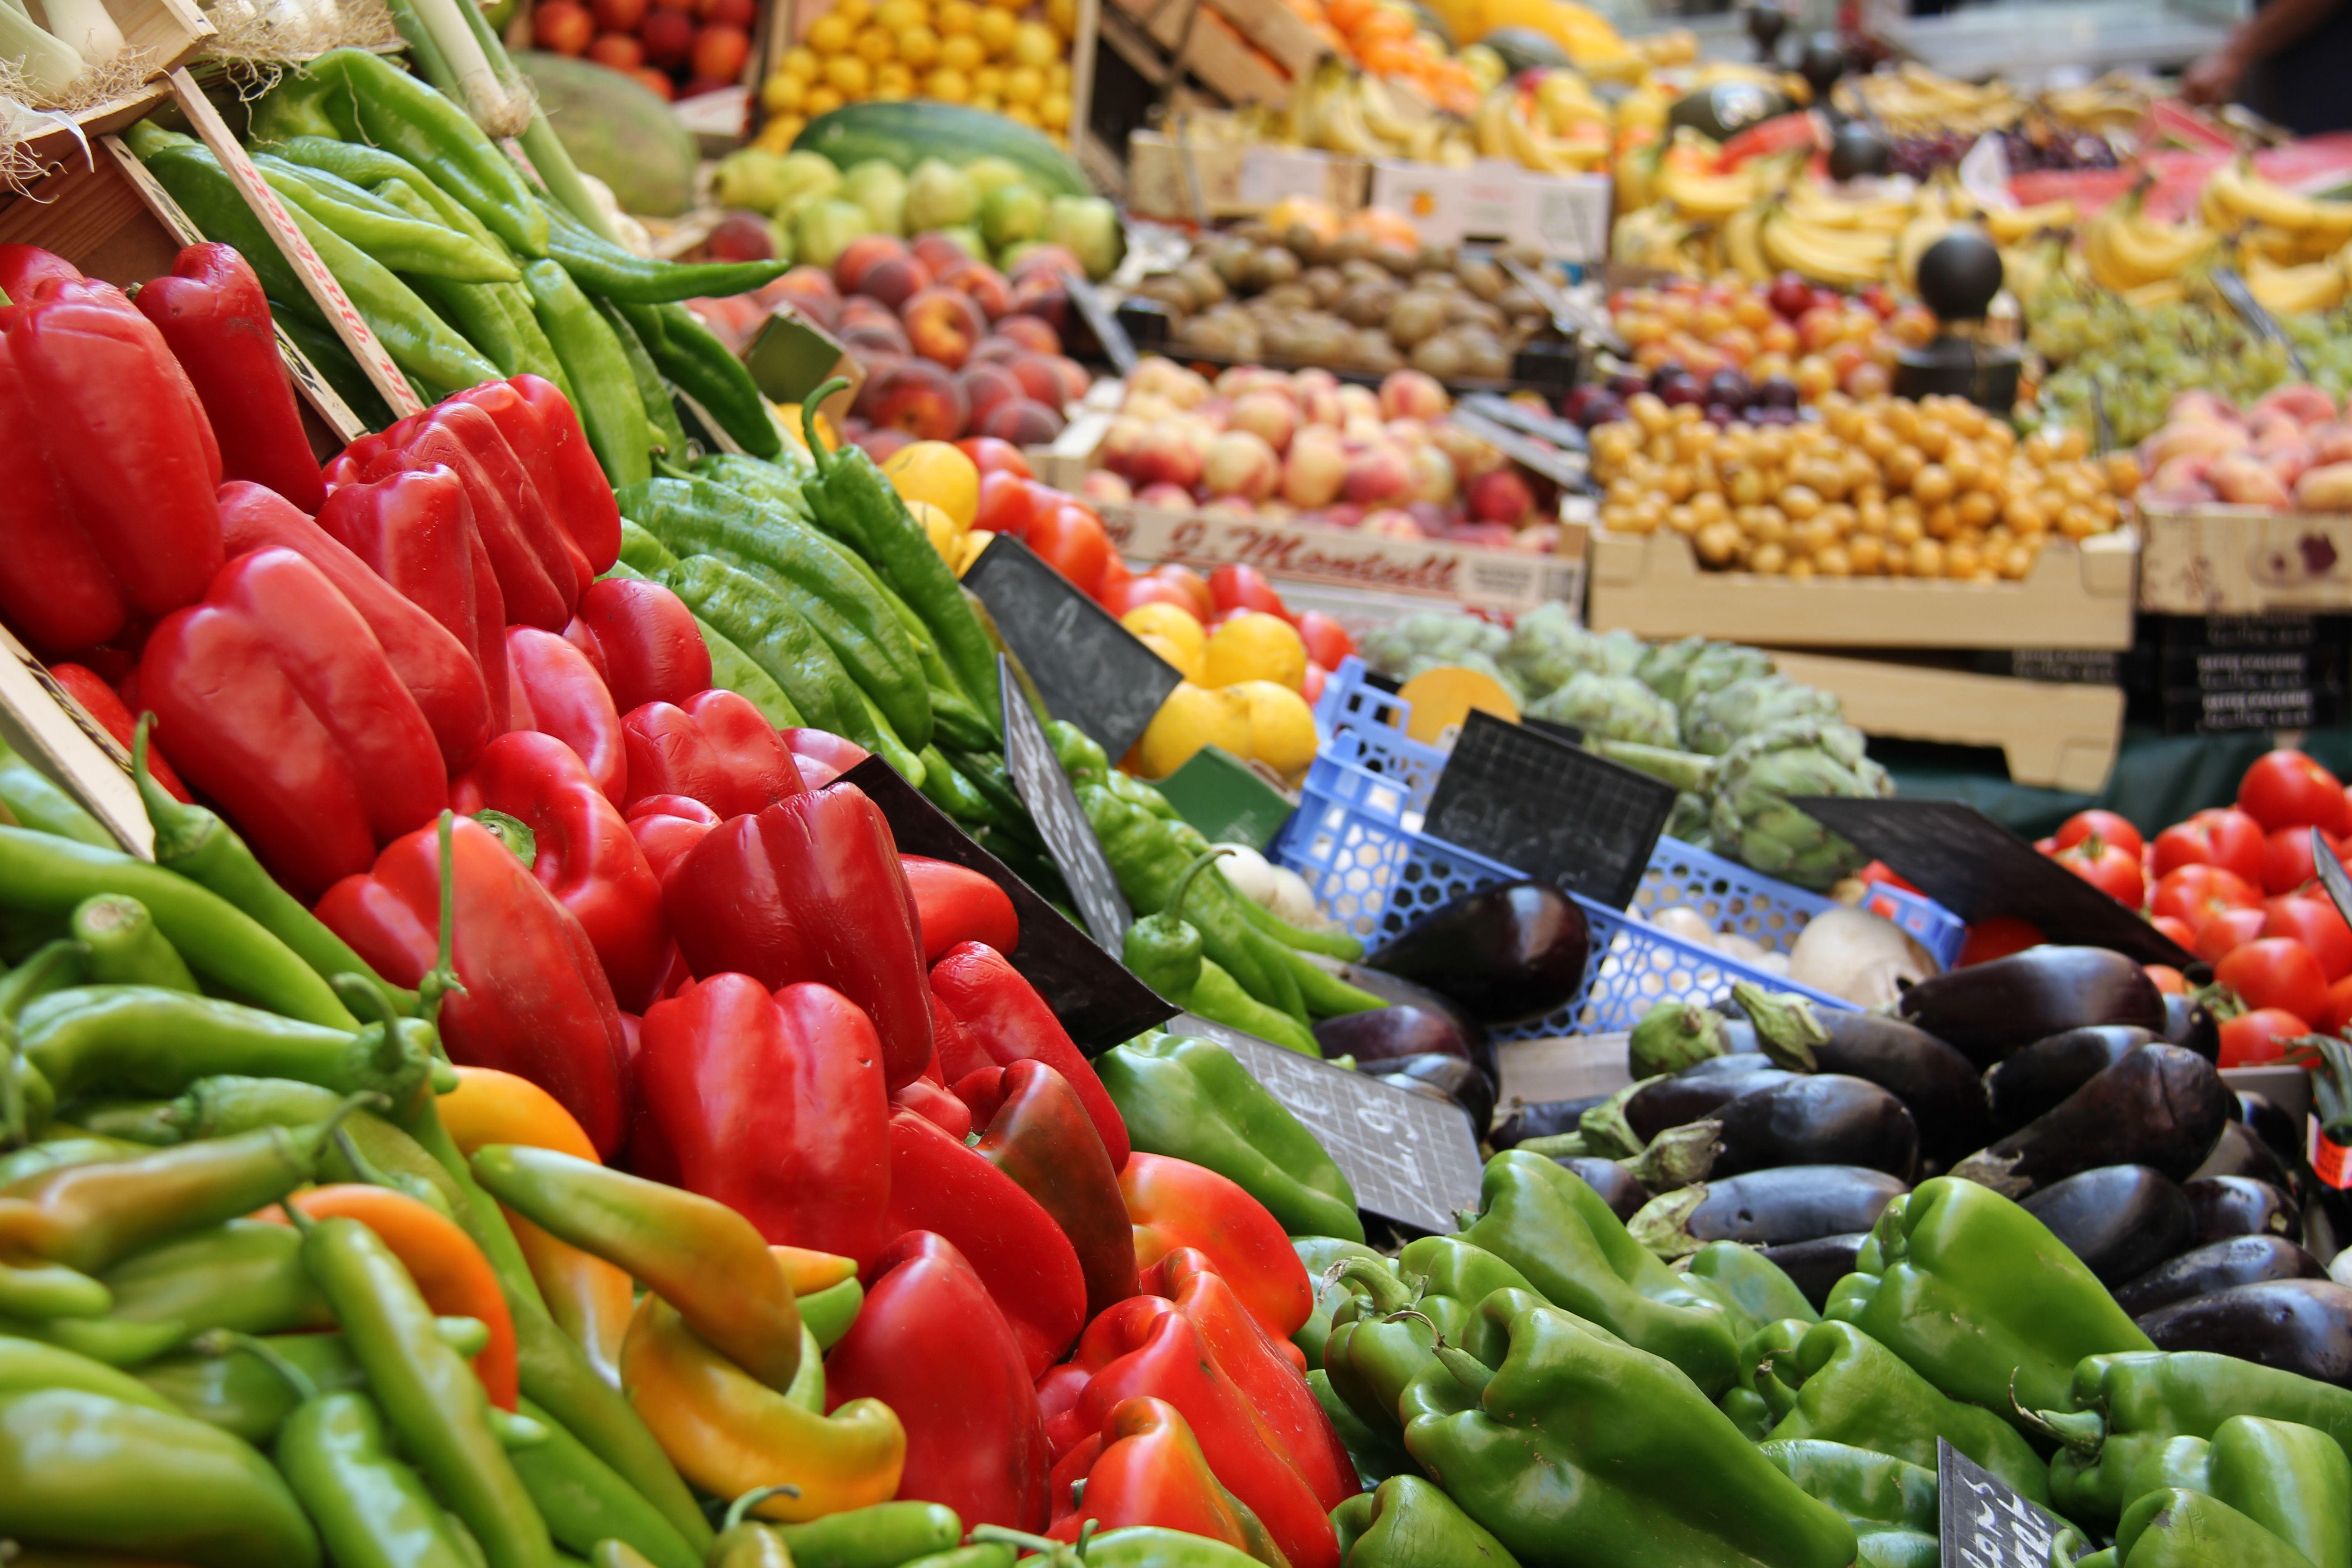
x=1044, y=789
x=2331, y=875
x=1983, y=1521
x=1553, y=810
x=1102, y=321
x=1089, y=669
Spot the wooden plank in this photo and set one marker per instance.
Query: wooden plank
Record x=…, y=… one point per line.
x=2052, y=735
x=1279, y=31
x=2245, y=560
x=1217, y=52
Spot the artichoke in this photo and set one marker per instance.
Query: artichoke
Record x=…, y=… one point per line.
x=1750, y=811
x=1661, y=666
x=1688, y=820
x=1714, y=720
x=1546, y=647
x=1473, y=659
x=1436, y=635
x=1717, y=666
x=1612, y=707
x=1673, y=1036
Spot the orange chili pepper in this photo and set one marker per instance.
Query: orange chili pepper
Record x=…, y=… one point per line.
x=493, y=1107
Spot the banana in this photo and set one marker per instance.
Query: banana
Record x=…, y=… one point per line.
x=1808, y=203
x=2019, y=223
x=1743, y=243
x=1700, y=196
x=1490, y=126
x=1392, y=114
x=2295, y=291
x=1344, y=130
x=1833, y=256
x=2127, y=251
x=2237, y=189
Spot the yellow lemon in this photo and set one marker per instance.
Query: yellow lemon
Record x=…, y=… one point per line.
x=893, y=82
x=1178, y=625
x=962, y=53
x=830, y=34
x=948, y=85
x=1191, y=718
x=1025, y=84
x=781, y=94
x=1020, y=113
x=1053, y=110
x=919, y=47
x=995, y=30
x=1282, y=727
x=825, y=99
x=969, y=548
x=987, y=82
x=801, y=63
x=1062, y=16
x=935, y=472
x=901, y=14
x=1057, y=76
x=987, y=101
x=848, y=75
x=939, y=528
x=1187, y=663
x=1033, y=43
x=875, y=45
x=857, y=12
x=1255, y=646
x=957, y=17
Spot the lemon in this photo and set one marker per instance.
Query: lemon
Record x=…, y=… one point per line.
x=987, y=82
x=937, y=474
x=987, y=101
x=1025, y=84
x=1057, y=76
x=1062, y=16
x=961, y=53
x=825, y=100
x=968, y=549
x=901, y=14
x=1053, y=110
x=848, y=75
x=995, y=30
x=948, y=85
x=876, y=46
x=781, y=94
x=830, y=34
x=1033, y=43
x=957, y=17
x=1191, y=718
x=801, y=64
x=857, y=12
x=894, y=82
x=1188, y=664
x=1255, y=646
x=1020, y=114
x=1282, y=727
x=919, y=47
x=1178, y=625
x=939, y=528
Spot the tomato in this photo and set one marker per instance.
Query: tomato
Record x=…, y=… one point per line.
x=1144, y=590
x=2178, y=930
x=2226, y=931
x=2195, y=894
x=1998, y=936
x=2286, y=859
x=2251, y=1039
x=2287, y=789
x=2338, y=1016
x=2110, y=868
x=2313, y=922
x=1194, y=586
x=1245, y=588
x=1006, y=505
x=2117, y=830
x=1311, y=687
x=1326, y=640
x=1116, y=576
x=2169, y=980
x=992, y=456
x=2275, y=972
x=2220, y=837
x=1071, y=540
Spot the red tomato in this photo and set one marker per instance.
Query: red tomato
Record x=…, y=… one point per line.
x=1312, y=687
x=2338, y=1016
x=2178, y=930
x=1116, y=576
x=1005, y=505
x=2313, y=922
x=2226, y=931
x=1144, y=590
x=1245, y=588
x=992, y=456
x=1072, y=542
x=1326, y=640
x=2286, y=859
x=2287, y=789
x=2275, y=972
x=2251, y=1039
x=1998, y=936
x=2110, y=868
x=2117, y=830
x=2220, y=837
x=1195, y=587
x=2169, y=980
x=2195, y=894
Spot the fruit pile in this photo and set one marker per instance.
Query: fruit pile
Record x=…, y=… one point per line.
x=1708, y=340
x=989, y=56
x=2236, y=887
x=1252, y=667
x=1304, y=447
x=2289, y=449
x=1878, y=487
x=676, y=48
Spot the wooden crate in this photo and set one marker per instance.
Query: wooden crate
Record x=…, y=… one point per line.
x=1217, y=52
x=2075, y=596
x=2245, y=560
x=2053, y=735
x=1281, y=33
x=1235, y=181
x=172, y=33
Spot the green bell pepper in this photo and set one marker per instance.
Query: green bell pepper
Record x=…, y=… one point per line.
x=1409, y=1523
x=1377, y=1454
x=1758, y=1286
x=2180, y=1529
x=1891, y=1504
x=2187, y=1394
x=1318, y=1253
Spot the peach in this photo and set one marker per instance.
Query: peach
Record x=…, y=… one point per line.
x=1120, y=442
x=1407, y=433
x=868, y=342
x=1042, y=295
x=2330, y=442
x=1153, y=374
x=1432, y=476
x=1030, y=332
x=1500, y=496
x=2194, y=437
x=1240, y=464
x=2197, y=401
x=2288, y=461
x=1146, y=406
x=1104, y=488
x=1246, y=378
x=884, y=443
x=1213, y=412
x=1023, y=422
x=2181, y=475
x=1341, y=514
x=943, y=324
x=809, y=291
x=1471, y=455
x=1362, y=430
x=1390, y=523
x=1321, y=406
x=2241, y=478
x=1038, y=379
x=987, y=386
x=1414, y=394
x=994, y=349
x=860, y=255
x=1229, y=506
x=1358, y=402
x=1166, y=497
x=1267, y=414
x=1376, y=476
x=1314, y=378
x=918, y=397
x=1075, y=381
x=939, y=253
x=2272, y=429
x=984, y=283
x=1314, y=468
x=1277, y=511
x=1165, y=456
x=2305, y=404
x=857, y=311
x=894, y=279
x=1051, y=260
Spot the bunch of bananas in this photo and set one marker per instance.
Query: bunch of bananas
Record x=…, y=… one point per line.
x=2291, y=247
x=2146, y=261
x=1339, y=109
x=1548, y=122
x=1913, y=100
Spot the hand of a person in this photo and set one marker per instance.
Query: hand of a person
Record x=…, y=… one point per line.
x=2214, y=79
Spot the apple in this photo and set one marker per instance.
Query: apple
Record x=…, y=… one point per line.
x=1148, y=406
x=1267, y=414
x=1391, y=522
x=1104, y=488
x=1790, y=295
x=1165, y=455
x=1343, y=514
x=1321, y=406
x=1359, y=403
x=566, y=27
x=1241, y=464
x=1406, y=433
x=1413, y=394
x=1314, y=468
x=1493, y=535
x=1314, y=378
x=1431, y=476
x=1160, y=375
x=1166, y=497
x=943, y=324
x=2305, y=404
x=737, y=236
x=1500, y=496
x=1246, y=378
x=1377, y=475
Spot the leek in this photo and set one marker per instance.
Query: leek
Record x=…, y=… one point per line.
x=84, y=27
x=48, y=64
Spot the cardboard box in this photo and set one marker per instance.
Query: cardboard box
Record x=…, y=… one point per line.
x=1565, y=216
x=1233, y=180
x=2244, y=559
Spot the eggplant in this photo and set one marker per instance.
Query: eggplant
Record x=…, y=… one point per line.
x=2031, y=1083
x=1937, y=1084
x=2159, y=1106
x=2240, y=1152
x=1989, y=1010
x=1817, y=1266
x=2268, y=1121
x=2242, y=1206
x=1671, y=1102
x=2218, y=1266
x=1787, y=1204
x=1445, y=1078
x=1819, y=1119
x=1540, y=1118
x=2302, y=1326
x=1507, y=955
x=1737, y=1061
x=2120, y=1220
x=1435, y=1028
x=1615, y=1183
x=2189, y=1024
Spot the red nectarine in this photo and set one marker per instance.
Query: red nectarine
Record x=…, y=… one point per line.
x=1023, y=422
x=918, y=397
x=943, y=324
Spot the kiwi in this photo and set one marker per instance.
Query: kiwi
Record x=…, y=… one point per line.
x=1258, y=231
x=1400, y=262
x=1208, y=287
x=1483, y=279
x=1170, y=291
x=1462, y=309
x=1324, y=283
x=1275, y=265
x=1375, y=355
x=1441, y=355
x=1418, y=314
x=1355, y=269
x=1291, y=297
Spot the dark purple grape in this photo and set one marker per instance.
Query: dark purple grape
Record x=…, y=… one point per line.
x=1721, y=413
x=1606, y=409
x=1773, y=414
x=1665, y=374
x=1779, y=391
x=1625, y=384
x=1729, y=386
x=1681, y=389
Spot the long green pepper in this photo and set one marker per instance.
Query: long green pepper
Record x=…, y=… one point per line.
x=707, y=371
x=399, y=240
x=602, y=382
x=669, y=435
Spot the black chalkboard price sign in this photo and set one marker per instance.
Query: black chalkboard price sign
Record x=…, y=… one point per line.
x=1983, y=1521
x=1102, y=321
x=1548, y=810
x=1044, y=789
x=1089, y=669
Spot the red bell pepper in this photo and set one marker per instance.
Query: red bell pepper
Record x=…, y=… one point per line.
x=931, y=1344
x=1144, y=1347
x=935, y=1105
x=438, y=669
x=938, y=1184
x=1276, y=1387
x=643, y=640
x=1002, y=1015
x=557, y=692
x=215, y=320
x=534, y=444
x=1174, y=1203
x=810, y=890
x=415, y=530
x=575, y=483
x=955, y=904
x=584, y=852
x=1038, y=1134
x=666, y=827
x=24, y=269
x=276, y=700
x=774, y=1105
x=1145, y=1467
x=714, y=747
x=102, y=702
x=109, y=469
x=822, y=755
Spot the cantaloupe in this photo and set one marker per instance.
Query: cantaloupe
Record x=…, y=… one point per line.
x=616, y=130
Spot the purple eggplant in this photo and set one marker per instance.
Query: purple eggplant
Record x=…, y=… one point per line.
x=2302, y=1326
x=1507, y=955
x=1441, y=1076
x=2225, y=1206
x=2240, y=1152
x=2160, y=1106
x=1615, y=1183
x=1687, y=1097
x=1935, y=1083
x=2020, y=1087
x=2218, y=1266
x=1735, y=1061
x=1989, y=1010
x=1415, y=1023
x=1817, y=1266
x=1540, y=1118
x=2268, y=1121
x=2188, y=1023
x=1786, y=1203
x=2120, y=1220
x=1818, y=1118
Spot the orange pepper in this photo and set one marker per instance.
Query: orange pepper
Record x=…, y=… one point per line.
x=494, y=1107
x=454, y=1278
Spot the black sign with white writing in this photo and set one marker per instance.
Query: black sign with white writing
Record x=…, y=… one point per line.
x=1102, y=321
x=1069, y=838
x=1089, y=669
x=1548, y=810
x=1985, y=1523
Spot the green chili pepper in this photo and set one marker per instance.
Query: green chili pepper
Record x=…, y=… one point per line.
x=986, y=773
x=1080, y=754
x=28, y=1365
x=36, y=802
x=982, y=1554
x=745, y=1542
x=585, y=1502
x=334, y=364
x=125, y=948
x=230, y=1103
x=1334, y=943
x=244, y=1275
x=602, y=268
x=57, y=1153
x=39, y=1291
x=187, y=168
x=496, y=317
x=238, y=1394
x=599, y=370
x=393, y=237
x=51, y=967
x=661, y=408
x=141, y=1039
x=882, y=1536
x=826, y=1314
x=772, y=634
x=707, y=371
